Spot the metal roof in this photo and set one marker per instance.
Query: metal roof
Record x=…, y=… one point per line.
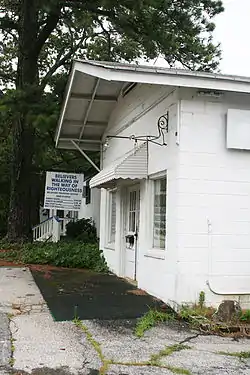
x=163, y=70
x=133, y=165
x=94, y=88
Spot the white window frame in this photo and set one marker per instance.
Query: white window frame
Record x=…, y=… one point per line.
x=110, y=237
x=156, y=252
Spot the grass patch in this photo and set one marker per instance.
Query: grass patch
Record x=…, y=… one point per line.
x=151, y=319
x=74, y=254
x=240, y=355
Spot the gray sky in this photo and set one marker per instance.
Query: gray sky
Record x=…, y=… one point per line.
x=232, y=31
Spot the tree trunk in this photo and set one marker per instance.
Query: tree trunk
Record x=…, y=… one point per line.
x=19, y=223
x=23, y=133
x=35, y=199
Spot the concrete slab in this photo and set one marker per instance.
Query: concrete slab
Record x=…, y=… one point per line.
x=119, y=344
x=203, y=362
x=216, y=344
x=41, y=342
x=18, y=291
x=5, y=345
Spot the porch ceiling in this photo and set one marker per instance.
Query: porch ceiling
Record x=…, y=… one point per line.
x=94, y=87
x=85, y=114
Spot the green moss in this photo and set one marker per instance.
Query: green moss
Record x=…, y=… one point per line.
x=155, y=358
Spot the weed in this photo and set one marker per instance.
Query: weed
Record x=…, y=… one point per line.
x=174, y=370
x=177, y=370
x=196, y=315
x=202, y=299
x=11, y=361
x=240, y=355
x=76, y=317
x=245, y=316
x=151, y=319
x=95, y=344
x=12, y=340
x=155, y=358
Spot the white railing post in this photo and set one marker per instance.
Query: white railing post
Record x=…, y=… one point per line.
x=51, y=229
x=56, y=229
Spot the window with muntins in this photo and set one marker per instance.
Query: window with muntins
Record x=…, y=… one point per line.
x=160, y=209
x=112, y=216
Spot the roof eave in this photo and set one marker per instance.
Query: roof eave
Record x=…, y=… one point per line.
x=168, y=77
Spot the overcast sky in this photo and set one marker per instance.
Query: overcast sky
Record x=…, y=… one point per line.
x=233, y=31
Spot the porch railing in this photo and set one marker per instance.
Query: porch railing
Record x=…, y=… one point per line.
x=48, y=230
x=51, y=229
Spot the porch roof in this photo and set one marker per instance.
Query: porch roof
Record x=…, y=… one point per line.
x=94, y=88
x=133, y=166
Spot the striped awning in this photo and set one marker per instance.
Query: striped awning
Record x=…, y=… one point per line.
x=132, y=166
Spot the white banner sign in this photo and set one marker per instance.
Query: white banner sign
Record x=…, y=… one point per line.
x=63, y=191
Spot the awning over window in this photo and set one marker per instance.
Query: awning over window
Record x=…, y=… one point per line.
x=133, y=165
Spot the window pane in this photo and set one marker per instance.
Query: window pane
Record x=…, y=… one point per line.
x=159, y=224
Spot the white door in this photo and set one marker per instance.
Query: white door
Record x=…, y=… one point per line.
x=132, y=231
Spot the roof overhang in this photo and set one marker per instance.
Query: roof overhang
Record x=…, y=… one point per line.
x=94, y=88
x=133, y=166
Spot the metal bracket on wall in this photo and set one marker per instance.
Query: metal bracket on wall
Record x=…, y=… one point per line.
x=85, y=155
x=159, y=139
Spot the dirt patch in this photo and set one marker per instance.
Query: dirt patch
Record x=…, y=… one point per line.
x=5, y=263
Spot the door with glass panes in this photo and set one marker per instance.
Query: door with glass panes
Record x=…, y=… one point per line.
x=132, y=231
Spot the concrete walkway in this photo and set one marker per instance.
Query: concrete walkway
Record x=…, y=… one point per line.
x=31, y=342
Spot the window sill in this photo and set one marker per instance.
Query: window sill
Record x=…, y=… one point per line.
x=156, y=254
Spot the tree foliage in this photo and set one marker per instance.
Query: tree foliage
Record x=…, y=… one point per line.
x=38, y=40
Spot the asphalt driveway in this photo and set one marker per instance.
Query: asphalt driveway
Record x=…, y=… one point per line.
x=91, y=295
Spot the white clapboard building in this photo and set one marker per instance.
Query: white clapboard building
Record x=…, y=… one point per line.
x=174, y=181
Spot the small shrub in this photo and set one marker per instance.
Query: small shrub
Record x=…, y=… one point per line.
x=81, y=230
